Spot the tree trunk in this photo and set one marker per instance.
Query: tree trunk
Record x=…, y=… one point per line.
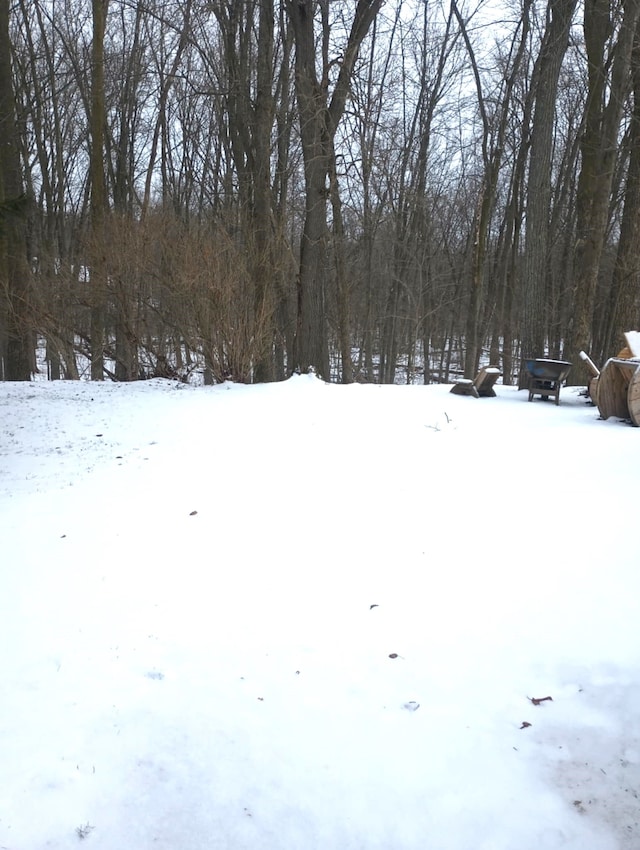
x=318, y=123
x=16, y=333
x=264, y=260
x=98, y=278
x=536, y=255
x=623, y=311
x=599, y=152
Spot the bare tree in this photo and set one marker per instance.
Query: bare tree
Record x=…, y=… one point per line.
x=546, y=74
x=98, y=278
x=622, y=311
x=411, y=289
x=609, y=82
x=16, y=337
x=319, y=114
x=492, y=146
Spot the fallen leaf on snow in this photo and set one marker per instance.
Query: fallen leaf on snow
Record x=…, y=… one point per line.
x=538, y=700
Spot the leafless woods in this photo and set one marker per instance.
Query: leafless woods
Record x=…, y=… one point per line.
x=382, y=191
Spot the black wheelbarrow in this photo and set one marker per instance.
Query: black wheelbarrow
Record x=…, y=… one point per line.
x=546, y=377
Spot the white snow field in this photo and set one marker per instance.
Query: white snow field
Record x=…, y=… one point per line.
x=302, y=616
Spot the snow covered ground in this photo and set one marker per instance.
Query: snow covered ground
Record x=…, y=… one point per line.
x=300, y=616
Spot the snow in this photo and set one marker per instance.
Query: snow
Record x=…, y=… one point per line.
x=302, y=615
x=632, y=339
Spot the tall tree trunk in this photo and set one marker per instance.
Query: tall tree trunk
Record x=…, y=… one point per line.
x=599, y=152
x=319, y=120
x=16, y=333
x=342, y=287
x=250, y=117
x=536, y=255
x=98, y=278
x=264, y=260
x=623, y=310
x=311, y=338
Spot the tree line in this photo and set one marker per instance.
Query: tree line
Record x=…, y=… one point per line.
x=380, y=191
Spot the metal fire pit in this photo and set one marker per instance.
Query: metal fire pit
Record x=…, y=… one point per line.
x=546, y=377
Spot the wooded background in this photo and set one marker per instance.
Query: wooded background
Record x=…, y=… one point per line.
x=383, y=191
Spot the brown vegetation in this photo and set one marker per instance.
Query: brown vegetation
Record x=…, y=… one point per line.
x=249, y=188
